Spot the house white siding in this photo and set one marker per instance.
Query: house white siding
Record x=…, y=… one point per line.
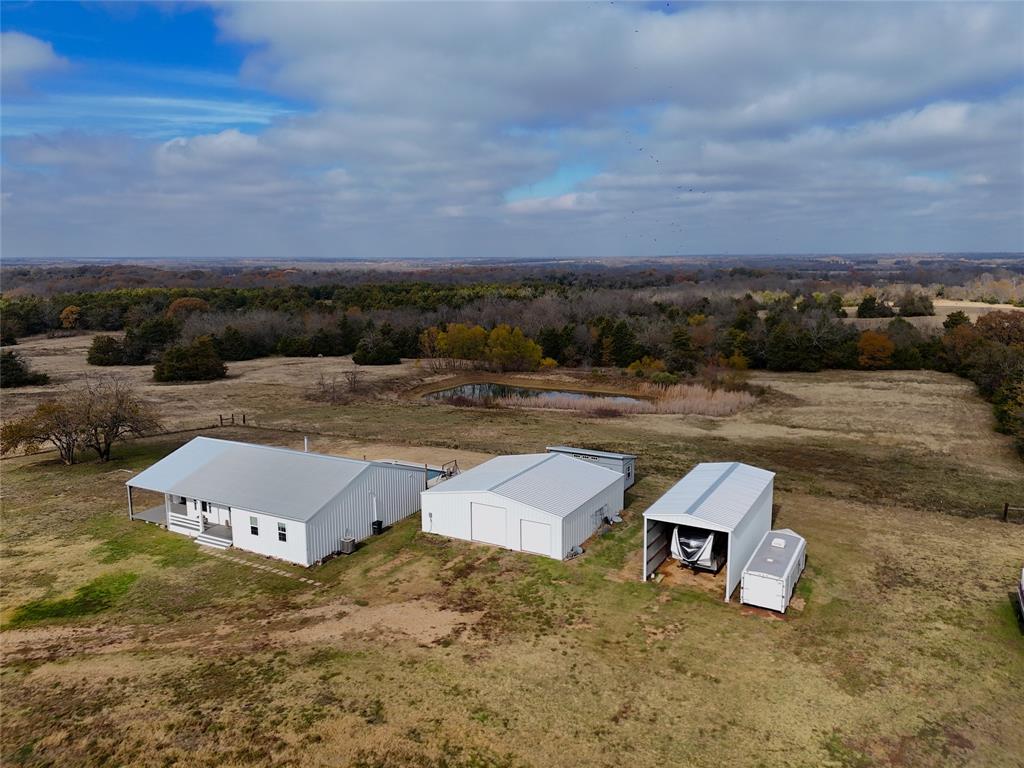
x=624, y=463
x=266, y=541
x=385, y=492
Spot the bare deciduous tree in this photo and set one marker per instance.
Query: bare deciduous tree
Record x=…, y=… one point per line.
x=105, y=411
x=111, y=411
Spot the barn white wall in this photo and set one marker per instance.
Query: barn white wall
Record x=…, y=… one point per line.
x=580, y=525
x=396, y=490
x=266, y=543
x=449, y=514
x=746, y=536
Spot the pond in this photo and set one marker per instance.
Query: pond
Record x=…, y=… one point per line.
x=482, y=391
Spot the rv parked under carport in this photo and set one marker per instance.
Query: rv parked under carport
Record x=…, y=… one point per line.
x=723, y=499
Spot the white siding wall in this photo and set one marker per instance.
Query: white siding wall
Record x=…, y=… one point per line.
x=215, y=514
x=266, y=542
x=746, y=536
x=581, y=524
x=397, y=493
x=616, y=465
x=448, y=514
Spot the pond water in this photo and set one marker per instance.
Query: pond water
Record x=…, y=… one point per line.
x=488, y=390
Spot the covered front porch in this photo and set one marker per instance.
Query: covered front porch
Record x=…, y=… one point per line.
x=174, y=515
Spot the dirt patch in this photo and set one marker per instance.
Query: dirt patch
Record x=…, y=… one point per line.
x=421, y=621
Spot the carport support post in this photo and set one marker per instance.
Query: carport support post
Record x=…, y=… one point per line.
x=644, y=566
x=130, y=515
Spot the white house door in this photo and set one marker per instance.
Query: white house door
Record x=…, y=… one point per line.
x=536, y=537
x=488, y=524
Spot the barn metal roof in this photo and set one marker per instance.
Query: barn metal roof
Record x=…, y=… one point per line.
x=290, y=484
x=712, y=495
x=550, y=482
x=590, y=452
x=769, y=560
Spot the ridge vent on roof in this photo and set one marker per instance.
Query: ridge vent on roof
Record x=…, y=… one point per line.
x=712, y=488
x=524, y=470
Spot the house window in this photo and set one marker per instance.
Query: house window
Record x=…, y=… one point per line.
x=254, y=526
x=205, y=506
x=282, y=533
x=629, y=470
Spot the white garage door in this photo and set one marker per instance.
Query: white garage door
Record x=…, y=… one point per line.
x=536, y=537
x=488, y=524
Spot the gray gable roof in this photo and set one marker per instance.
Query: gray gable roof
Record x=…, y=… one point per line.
x=278, y=481
x=550, y=482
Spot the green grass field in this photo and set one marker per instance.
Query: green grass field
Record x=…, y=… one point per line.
x=126, y=645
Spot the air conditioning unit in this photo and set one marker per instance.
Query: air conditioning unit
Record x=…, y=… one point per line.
x=348, y=545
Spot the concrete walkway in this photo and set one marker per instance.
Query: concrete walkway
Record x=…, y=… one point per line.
x=260, y=566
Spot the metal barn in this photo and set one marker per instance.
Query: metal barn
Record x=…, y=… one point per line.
x=543, y=503
x=292, y=505
x=715, y=516
x=774, y=569
x=620, y=462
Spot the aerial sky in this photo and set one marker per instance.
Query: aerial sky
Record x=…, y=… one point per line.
x=329, y=130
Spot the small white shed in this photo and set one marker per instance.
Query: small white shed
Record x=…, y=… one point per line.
x=773, y=571
x=543, y=503
x=620, y=462
x=721, y=499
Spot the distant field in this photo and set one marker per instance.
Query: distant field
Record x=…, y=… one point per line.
x=126, y=645
x=943, y=308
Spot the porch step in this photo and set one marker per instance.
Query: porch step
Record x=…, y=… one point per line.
x=213, y=541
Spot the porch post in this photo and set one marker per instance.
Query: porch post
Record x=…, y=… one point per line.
x=130, y=513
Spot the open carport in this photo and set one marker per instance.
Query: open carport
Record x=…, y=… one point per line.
x=730, y=500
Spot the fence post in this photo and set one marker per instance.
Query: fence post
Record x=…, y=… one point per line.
x=243, y=418
x=1006, y=512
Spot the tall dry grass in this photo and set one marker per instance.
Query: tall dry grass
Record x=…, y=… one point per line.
x=678, y=398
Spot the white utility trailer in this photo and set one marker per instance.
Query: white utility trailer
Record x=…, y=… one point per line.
x=773, y=571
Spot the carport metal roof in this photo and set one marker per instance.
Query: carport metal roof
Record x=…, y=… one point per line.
x=716, y=496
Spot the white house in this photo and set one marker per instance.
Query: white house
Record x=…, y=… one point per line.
x=716, y=515
x=620, y=462
x=544, y=503
x=287, y=504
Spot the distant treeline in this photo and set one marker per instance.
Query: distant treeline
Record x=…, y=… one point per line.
x=663, y=332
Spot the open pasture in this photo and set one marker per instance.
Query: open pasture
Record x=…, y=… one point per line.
x=124, y=644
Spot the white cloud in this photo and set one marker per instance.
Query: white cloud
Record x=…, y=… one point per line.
x=22, y=56
x=758, y=127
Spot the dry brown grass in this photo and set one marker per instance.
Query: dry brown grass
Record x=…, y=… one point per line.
x=693, y=399
x=427, y=652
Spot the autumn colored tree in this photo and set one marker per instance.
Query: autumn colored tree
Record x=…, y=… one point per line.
x=70, y=316
x=1005, y=327
x=874, y=350
x=56, y=421
x=463, y=342
x=181, y=308
x=509, y=350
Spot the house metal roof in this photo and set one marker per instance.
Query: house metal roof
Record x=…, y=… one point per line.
x=590, y=452
x=769, y=560
x=712, y=495
x=278, y=481
x=550, y=482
